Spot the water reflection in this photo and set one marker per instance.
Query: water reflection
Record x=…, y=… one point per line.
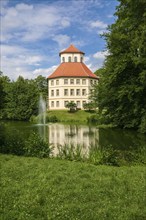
x=59, y=134
x=83, y=135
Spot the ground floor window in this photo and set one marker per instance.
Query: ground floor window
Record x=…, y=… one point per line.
x=57, y=104
x=78, y=104
x=52, y=104
x=65, y=103
x=84, y=102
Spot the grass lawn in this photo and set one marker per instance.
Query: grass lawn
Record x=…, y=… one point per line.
x=66, y=116
x=41, y=189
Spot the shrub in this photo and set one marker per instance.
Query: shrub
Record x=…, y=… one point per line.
x=12, y=144
x=90, y=106
x=93, y=119
x=36, y=146
x=142, y=127
x=72, y=106
x=52, y=118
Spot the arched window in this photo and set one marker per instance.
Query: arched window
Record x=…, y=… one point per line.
x=81, y=59
x=69, y=59
x=75, y=59
x=63, y=59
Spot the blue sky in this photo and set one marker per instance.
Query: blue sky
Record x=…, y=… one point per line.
x=33, y=32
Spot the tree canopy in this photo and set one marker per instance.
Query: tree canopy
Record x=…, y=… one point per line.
x=19, y=99
x=72, y=106
x=122, y=87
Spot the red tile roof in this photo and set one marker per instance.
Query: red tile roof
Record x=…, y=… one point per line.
x=71, y=49
x=74, y=69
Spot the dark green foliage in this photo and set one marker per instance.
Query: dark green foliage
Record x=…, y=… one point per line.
x=35, y=146
x=93, y=119
x=52, y=118
x=105, y=156
x=90, y=106
x=72, y=106
x=99, y=118
x=22, y=99
x=42, y=86
x=122, y=87
x=12, y=144
x=115, y=157
x=4, y=80
x=19, y=100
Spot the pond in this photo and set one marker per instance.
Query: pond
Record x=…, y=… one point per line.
x=83, y=135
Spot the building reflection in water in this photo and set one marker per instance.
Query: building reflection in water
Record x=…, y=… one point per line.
x=85, y=136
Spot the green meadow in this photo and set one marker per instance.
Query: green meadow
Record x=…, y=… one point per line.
x=45, y=189
x=66, y=116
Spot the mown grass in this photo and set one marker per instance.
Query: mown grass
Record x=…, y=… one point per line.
x=66, y=116
x=44, y=189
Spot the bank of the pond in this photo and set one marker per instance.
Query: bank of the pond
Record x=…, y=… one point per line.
x=65, y=116
x=35, y=189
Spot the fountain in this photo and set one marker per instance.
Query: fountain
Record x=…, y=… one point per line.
x=42, y=111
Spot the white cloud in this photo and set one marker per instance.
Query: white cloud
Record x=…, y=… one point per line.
x=86, y=59
x=110, y=16
x=16, y=60
x=65, y=22
x=101, y=31
x=96, y=60
x=98, y=24
x=44, y=72
x=32, y=22
x=62, y=40
x=101, y=54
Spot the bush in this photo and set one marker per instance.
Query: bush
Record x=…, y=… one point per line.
x=52, y=118
x=12, y=144
x=142, y=127
x=115, y=157
x=93, y=119
x=35, y=146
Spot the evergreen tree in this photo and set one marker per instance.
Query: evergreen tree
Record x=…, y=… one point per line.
x=122, y=87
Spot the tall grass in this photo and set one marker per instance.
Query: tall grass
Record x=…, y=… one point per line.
x=104, y=156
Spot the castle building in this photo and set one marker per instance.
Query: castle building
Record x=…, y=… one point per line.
x=71, y=81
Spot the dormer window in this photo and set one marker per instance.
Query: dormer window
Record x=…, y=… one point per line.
x=63, y=59
x=69, y=59
x=75, y=59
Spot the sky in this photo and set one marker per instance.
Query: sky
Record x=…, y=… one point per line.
x=33, y=32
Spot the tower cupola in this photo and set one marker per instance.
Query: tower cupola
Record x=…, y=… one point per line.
x=71, y=54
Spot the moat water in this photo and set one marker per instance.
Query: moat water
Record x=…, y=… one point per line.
x=84, y=135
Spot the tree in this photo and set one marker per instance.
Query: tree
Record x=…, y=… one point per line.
x=41, y=82
x=89, y=106
x=22, y=99
x=4, y=81
x=122, y=87
x=72, y=106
